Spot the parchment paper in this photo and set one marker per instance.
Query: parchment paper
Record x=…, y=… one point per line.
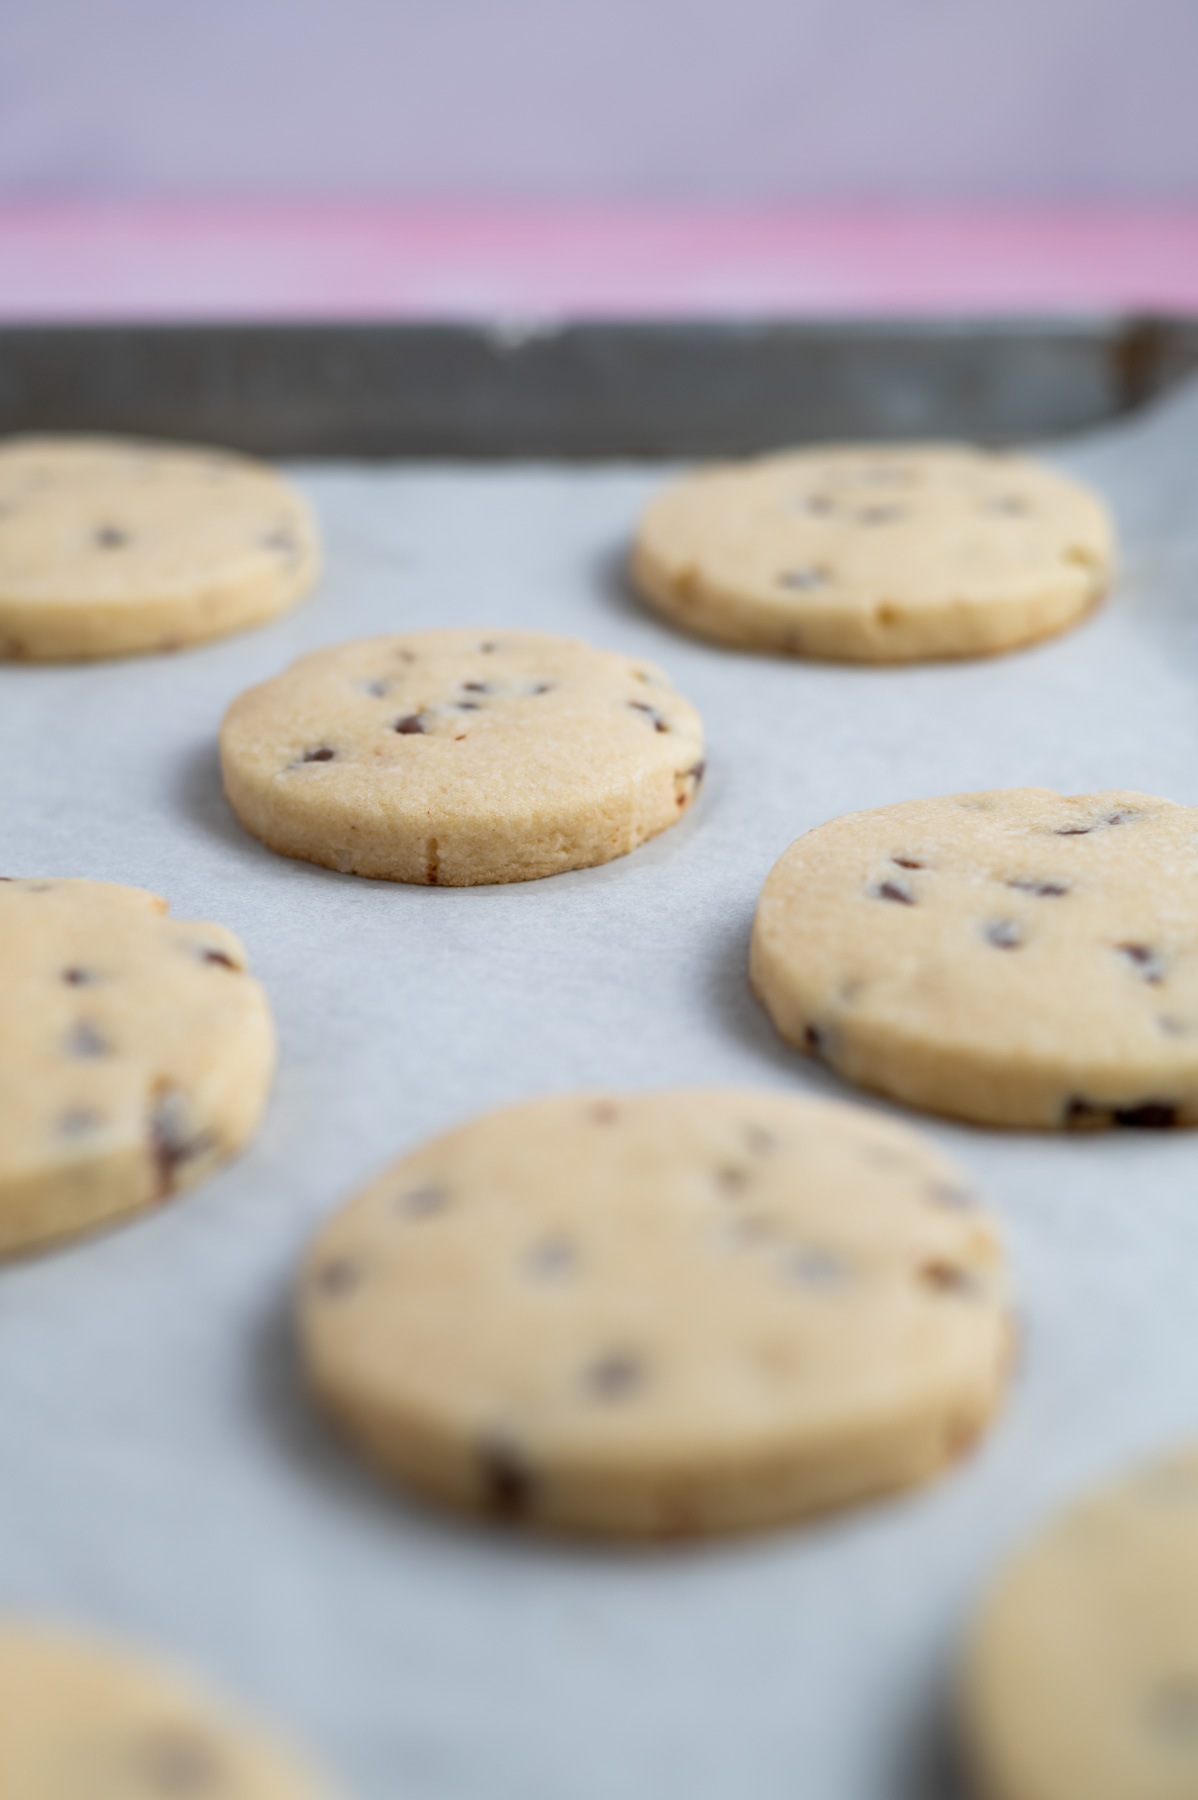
x=161, y=1476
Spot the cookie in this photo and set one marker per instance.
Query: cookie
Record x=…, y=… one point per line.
x=876, y=553
x=85, y=1722
x=457, y=757
x=660, y=1314
x=109, y=546
x=136, y=1055
x=1081, y=1677
x=1015, y=958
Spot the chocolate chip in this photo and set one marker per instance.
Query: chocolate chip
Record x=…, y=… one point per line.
x=77, y=977
x=605, y=1113
x=543, y=687
x=422, y=1202
x=813, y=1267
x=731, y=1180
x=1172, y=1711
x=697, y=771
x=801, y=579
x=488, y=648
x=177, y=1760
x=813, y=1039
x=323, y=754
x=1152, y=1115
x=1073, y=831
x=410, y=724
x=85, y=1040
x=110, y=537
x=1121, y=818
x=659, y=723
x=615, y=1375
x=475, y=687
x=1145, y=959
x=947, y=1193
x=508, y=1484
x=1004, y=934
x=759, y=1140
x=377, y=689
x=895, y=890
x=337, y=1277
x=1043, y=890
x=462, y=706
x=219, y=957
x=948, y=1278
x=551, y=1258
x=907, y=862
x=1149, y=1115
x=171, y=1143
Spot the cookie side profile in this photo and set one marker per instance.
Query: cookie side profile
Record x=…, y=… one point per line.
x=457, y=757
x=136, y=1055
x=83, y=1721
x=1081, y=1676
x=660, y=1314
x=114, y=546
x=1018, y=958
x=876, y=553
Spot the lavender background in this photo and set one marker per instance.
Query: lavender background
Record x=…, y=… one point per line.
x=658, y=99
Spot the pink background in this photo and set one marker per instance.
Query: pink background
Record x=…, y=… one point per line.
x=381, y=157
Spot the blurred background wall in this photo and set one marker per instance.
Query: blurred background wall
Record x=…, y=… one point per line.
x=662, y=100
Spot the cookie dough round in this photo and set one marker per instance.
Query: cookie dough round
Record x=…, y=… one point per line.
x=660, y=1314
x=1082, y=1674
x=86, y=1722
x=457, y=757
x=876, y=553
x=109, y=546
x=1015, y=958
x=136, y=1055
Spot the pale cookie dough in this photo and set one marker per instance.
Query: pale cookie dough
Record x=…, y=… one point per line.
x=81, y=1721
x=457, y=757
x=1015, y=958
x=872, y=553
x=1081, y=1680
x=660, y=1314
x=136, y=1055
x=109, y=546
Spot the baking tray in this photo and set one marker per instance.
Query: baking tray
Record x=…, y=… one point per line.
x=161, y=1475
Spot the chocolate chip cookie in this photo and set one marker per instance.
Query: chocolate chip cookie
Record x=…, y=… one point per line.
x=660, y=1314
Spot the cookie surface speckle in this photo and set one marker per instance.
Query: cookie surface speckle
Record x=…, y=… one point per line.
x=1041, y=969
x=1082, y=1673
x=86, y=1722
x=136, y=1055
x=968, y=553
x=111, y=546
x=456, y=757
x=660, y=1314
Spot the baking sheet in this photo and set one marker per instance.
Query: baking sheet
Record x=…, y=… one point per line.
x=160, y=1474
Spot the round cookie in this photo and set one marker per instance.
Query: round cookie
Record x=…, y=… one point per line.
x=136, y=1055
x=109, y=546
x=1082, y=1674
x=457, y=757
x=85, y=1722
x=876, y=553
x=660, y=1314
x=1015, y=958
